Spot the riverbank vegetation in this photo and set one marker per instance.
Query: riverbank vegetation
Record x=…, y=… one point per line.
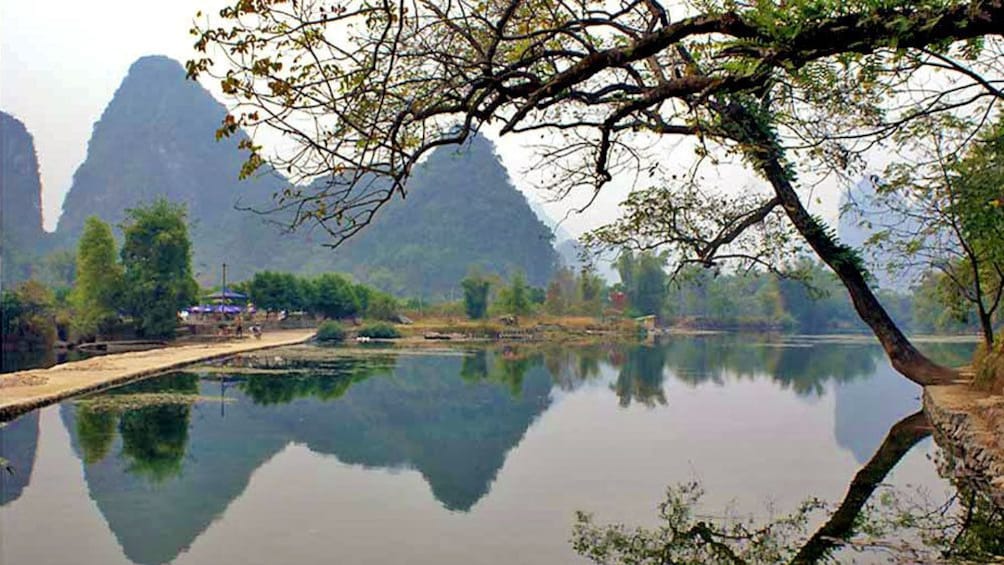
x=807, y=299
x=28, y=314
x=810, y=300
x=139, y=290
x=988, y=367
x=331, y=295
x=330, y=331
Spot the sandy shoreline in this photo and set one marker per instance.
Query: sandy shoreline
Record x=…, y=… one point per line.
x=24, y=391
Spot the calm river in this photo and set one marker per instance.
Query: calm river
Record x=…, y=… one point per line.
x=455, y=457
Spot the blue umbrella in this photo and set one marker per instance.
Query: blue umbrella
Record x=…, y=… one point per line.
x=227, y=309
x=227, y=295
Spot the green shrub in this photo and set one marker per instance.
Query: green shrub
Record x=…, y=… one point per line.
x=379, y=331
x=381, y=306
x=330, y=332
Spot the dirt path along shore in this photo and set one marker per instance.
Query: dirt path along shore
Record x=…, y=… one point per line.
x=26, y=390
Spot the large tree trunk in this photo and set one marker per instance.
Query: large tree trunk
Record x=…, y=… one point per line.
x=987, y=325
x=763, y=150
x=901, y=438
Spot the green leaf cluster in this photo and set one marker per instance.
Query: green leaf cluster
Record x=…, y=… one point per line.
x=476, y=288
x=331, y=295
x=644, y=281
x=379, y=331
x=516, y=297
x=581, y=293
x=97, y=295
x=28, y=312
x=330, y=331
x=157, y=267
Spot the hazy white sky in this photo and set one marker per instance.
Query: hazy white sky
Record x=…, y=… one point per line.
x=60, y=63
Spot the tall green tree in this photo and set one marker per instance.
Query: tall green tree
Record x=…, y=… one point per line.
x=97, y=295
x=334, y=296
x=476, y=288
x=157, y=267
x=590, y=292
x=515, y=298
x=571, y=293
x=645, y=281
x=274, y=291
x=375, y=304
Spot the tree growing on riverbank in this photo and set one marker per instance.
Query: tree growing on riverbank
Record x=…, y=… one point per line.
x=96, y=296
x=157, y=267
x=476, y=288
x=581, y=293
x=515, y=298
x=330, y=294
x=644, y=281
x=28, y=313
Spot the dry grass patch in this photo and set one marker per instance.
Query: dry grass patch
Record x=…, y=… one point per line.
x=988, y=368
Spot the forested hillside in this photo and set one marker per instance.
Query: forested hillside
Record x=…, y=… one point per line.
x=461, y=211
x=20, y=200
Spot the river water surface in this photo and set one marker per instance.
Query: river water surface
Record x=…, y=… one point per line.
x=446, y=456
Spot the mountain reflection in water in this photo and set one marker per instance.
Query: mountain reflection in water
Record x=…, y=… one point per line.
x=165, y=458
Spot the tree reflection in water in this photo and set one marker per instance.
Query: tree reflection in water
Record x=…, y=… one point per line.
x=506, y=366
x=154, y=439
x=96, y=431
x=326, y=382
x=152, y=416
x=804, y=367
x=640, y=377
x=967, y=528
x=152, y=419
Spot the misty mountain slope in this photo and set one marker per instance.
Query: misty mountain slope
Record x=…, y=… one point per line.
x=20, y=200
x=461, y=210
x=156, y=138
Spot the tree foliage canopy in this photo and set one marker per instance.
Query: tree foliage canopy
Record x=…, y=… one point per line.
x=476, y=289
x=644, y=281
x=330, y=294
x=157, y=267
x=27, y=315
x=516, y=297
x=96, y=297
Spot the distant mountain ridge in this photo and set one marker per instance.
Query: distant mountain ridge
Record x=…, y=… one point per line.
x=23, y=237
x=156, y=138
